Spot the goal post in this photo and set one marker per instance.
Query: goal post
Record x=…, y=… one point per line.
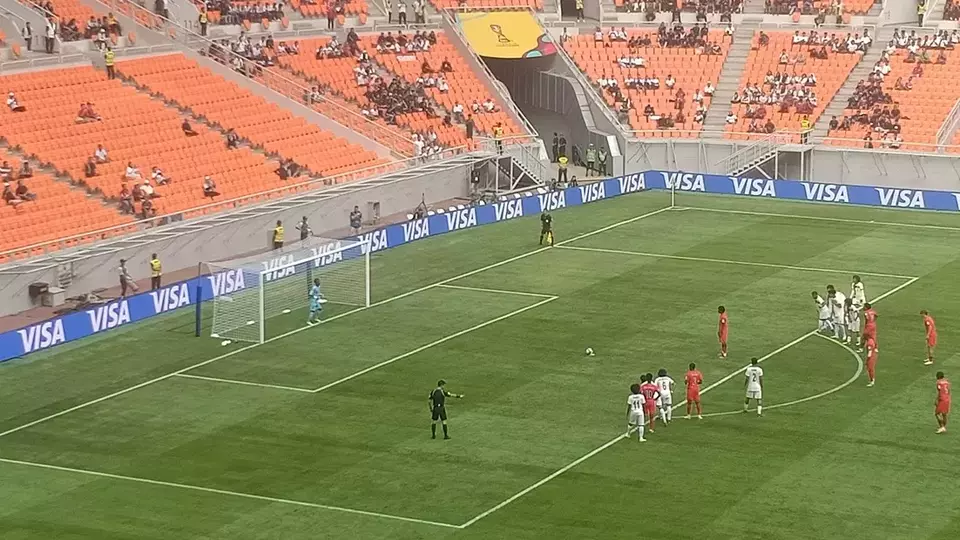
x=256, y=297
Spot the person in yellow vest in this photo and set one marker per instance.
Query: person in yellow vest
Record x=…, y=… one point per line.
x=156, y=271
x=203, y=21
x=805, y=127
x=498, y=136
x=562, y=170
x=108, y=59
x=579, y=10
x=921, y=11
x=278, y=235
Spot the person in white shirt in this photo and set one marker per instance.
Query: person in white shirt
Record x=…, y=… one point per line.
x=158, y=177
x=857, y=293
x=147, y=189
x=837, y=301
x=489, y=106
x=709, y=89
x=670, y=82
x=13, y=104
x=753, y=385
x=825, y=322
x=635, y=403
x=442, y=85
x=132, y=172
x=100, y=154
x=598, y=35
x=731, y=118
x=852, y=320
x=665, y=385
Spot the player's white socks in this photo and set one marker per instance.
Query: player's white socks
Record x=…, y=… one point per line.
x=640, y=433
x=759, y=409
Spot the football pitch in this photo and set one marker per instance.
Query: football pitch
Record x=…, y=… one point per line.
x=323, y=432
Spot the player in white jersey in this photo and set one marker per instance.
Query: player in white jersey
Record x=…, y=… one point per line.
x=857, y=293
x=635, y=403
x=753, y=385
x=852, y=317
x=665, y=403
x=837, y=301
x=824, y=321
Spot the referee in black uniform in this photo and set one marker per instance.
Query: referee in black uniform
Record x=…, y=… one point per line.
x=437, y=409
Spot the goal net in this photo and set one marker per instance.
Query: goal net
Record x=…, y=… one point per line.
x=262, y=295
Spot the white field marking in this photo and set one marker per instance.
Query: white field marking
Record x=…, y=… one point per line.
x=729, y=261
x=825, y=393
x=245, y=383
x=226, y=492
x=619, y=438
x=434, y=344
x=497, y=291
x=331, y=319
x=825, y=218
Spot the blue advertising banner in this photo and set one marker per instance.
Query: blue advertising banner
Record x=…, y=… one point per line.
x=120, y=312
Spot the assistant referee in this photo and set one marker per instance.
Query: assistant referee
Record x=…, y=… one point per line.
x=438, y=411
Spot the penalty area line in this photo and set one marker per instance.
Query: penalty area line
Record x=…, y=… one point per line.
x=619, y=438
x=216, y=491
x=495, y=291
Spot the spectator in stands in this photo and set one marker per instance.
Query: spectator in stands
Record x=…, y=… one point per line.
x=6, y=172
x=147, y=190
x=87, y=114
x=203, y=19
x=112, y=25
x=731, y=118
x=158, y=177
x=100, y=154
x=188, y=129
x=13, y=104
x=90, y=167
x=25, y=170
x=10, y=196
x=50, y=35
x=27, y=35
x=126, y=200
x=233, y=140
x=132, y=173
x=147, y=209
x=24, y=193
x=210, y=187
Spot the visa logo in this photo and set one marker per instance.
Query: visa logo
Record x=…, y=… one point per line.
x=169, y=298
x=508, y=209
x=901, y=198
x=377, y=241
x=415, y=230
x=461, y=219
x=591, y=192
x=632, y=183
x=552, y=201
x=326, y=254
x=826, y=192
x=755, y=187
x=226, y=282
x=279, y=267
x=683, y=181
x=43, y=335
x=109, y=316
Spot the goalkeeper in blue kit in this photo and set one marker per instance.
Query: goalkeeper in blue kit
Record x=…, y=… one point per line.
x=316, y=299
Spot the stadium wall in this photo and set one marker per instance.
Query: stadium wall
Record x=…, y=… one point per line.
x=230, y=239
x=42, y=336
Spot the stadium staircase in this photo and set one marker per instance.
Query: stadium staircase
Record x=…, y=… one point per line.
x=755, y=154
x=730, y=74
x=754, y=7
x=861, y=71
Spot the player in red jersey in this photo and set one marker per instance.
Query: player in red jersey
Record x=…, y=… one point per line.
x=869, y=326
x=871, y=346
x=651, y=393
x=943, y=402
x=693, y=379
x=931, y=327
x=722, y=331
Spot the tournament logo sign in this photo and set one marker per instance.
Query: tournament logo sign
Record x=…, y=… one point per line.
x=506, y=34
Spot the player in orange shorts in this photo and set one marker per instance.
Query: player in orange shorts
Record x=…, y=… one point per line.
x=871, y=346
x=722, y=331
x=931, y=328
x=693, y=379
x=943, y=402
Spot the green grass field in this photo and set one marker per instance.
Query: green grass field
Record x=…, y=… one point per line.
x=323, y=432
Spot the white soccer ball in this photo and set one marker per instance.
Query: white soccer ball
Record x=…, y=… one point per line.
x=589, y=351
x=225, y=342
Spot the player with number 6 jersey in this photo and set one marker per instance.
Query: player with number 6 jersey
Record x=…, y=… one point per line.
x=665, y=385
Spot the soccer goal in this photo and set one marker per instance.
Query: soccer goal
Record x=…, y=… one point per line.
x=272, y=289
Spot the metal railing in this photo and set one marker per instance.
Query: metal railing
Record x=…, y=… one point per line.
x=243, y=203
x=756, y=151
x=949, y=123
x=46, y=14
x=879, y=146
x=270, y=77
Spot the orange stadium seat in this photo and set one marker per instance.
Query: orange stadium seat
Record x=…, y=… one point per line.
x=263, y=123
x=492, y=4
x=923, y=108
x=830, y=74
x=465, y=86
x=692, y=72
x=71, y=9
x=58, y=211
x=337, y=75
x=135, y=128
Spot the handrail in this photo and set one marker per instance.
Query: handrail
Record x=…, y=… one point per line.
x=507, y=100
x=948, y=123
x=268, y=77
x=311, y=184
x=46, y=14
x=932, y=6
x=757, y=150
x=906, y=147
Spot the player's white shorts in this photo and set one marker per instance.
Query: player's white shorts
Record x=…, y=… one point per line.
x=853, y=327
x=664, y=401
x=826, y=324
x=754, y=394
x=636, y=418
